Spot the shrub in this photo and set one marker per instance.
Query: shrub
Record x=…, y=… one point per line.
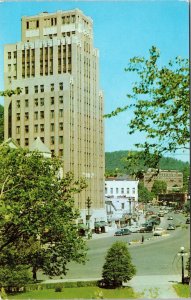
x=14, y=279
x=58, y=288
x=44, y=286
x=118, y=266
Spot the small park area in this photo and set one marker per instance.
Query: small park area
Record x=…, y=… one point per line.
x=79, y=292
x=182, y=290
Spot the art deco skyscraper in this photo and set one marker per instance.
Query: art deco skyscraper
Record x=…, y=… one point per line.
x=56, y=65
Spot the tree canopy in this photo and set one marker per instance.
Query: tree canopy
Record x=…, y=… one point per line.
x=1, y=123
x=143, y=193
x=159, y=187
x=118, y=266
x=9, y=93
x=160, y=105
x=37, y=214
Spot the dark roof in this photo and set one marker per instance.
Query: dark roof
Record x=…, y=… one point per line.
x=120, y=178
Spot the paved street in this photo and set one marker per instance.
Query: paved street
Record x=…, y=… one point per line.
x=157, y=256
x=158, y=265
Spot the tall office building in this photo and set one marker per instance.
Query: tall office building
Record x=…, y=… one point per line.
x=56, y=65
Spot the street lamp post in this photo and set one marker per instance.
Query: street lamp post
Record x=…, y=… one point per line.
x=130, y=206
x=88, y=204
x=130, y=211
x=182, y=253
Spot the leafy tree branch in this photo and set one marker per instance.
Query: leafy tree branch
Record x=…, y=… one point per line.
x=160, y=104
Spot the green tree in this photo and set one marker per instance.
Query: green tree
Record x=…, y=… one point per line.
x=159, y=187
x=160, y=104
x=37, y=213
x=14, y=278
x=118, y=266
x=113, y=173
x=143, y=193
x=9, y=93
x=1, y=124
x=186, y=178
x=187, y=206
x=188, y=266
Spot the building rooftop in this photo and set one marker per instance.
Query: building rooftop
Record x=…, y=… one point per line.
x=38, y=145
x=120, y=178
x=11, y=143
x=62, y=12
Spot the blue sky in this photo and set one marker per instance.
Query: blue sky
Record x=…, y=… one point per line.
x=122, y=29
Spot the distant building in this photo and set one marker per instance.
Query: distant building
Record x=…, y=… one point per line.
x=176, y=200
x=173, y=179
x=121, y=197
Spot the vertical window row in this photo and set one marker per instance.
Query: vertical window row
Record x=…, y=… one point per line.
x=64, y=59
x=28, y=63
x=46, y=61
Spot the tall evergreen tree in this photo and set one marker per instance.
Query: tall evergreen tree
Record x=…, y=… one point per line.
x=118, y=267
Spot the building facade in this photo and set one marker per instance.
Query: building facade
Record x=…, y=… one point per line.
x=175, y=200
x=173, y=179
x=121, y=196
x=57, y=67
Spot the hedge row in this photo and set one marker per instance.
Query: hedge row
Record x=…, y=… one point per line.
x=44, y=286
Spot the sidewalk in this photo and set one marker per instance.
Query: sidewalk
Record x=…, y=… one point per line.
x=155, y=286
x=104, y=235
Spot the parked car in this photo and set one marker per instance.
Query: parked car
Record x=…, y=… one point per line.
x=170, y=227
x=188, y=221
x=158, y=231
x=170, y=218
x=122, y=231
x=134, y=228
x=146, y=228
x=156, y=217
x=161, y=214
x=154, y=220
x=149, y=213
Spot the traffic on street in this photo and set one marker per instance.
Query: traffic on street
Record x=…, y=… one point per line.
x=156, y=255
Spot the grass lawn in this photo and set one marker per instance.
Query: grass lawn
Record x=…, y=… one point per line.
x=182, y=290
x=80, y=292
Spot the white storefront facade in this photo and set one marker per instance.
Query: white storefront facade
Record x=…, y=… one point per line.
x=121, y=197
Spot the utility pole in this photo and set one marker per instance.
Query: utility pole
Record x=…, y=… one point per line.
x=88, y=204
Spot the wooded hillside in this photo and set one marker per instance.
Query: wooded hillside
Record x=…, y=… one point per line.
x=116, y=160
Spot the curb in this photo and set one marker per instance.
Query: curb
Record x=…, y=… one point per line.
x=148, y=239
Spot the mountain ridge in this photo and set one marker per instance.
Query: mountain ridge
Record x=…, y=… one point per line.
x=114, y=160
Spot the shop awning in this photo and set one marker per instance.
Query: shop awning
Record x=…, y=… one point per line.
x=100, y=224
x=82, y=226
